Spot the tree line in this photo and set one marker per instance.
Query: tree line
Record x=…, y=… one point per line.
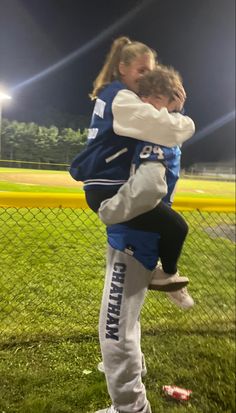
x=31, y=142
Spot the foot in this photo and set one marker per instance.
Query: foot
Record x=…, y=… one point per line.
x=108, y=410
x=113, y=410
x=165, y=282
x=181, y=298
x=100, y=367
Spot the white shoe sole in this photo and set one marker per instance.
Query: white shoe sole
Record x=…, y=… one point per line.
x=173, y=283
x=184, y=306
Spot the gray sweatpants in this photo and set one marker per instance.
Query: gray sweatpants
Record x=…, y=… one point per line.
x=124, y=292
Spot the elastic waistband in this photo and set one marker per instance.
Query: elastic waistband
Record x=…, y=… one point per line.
x=102, y=183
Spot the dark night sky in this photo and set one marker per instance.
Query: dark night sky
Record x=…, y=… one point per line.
x=195, y=36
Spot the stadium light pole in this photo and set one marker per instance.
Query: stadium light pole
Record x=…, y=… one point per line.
x=3, y=96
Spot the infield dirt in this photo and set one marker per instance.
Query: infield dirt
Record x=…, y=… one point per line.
x=48, y=179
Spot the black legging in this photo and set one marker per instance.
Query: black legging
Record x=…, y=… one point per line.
x=162, y=219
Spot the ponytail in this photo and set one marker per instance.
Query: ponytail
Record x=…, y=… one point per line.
x=109, y=71
x=122, y=49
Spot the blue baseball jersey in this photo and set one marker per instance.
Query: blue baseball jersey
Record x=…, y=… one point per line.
x=169, y=157
x=106, y=160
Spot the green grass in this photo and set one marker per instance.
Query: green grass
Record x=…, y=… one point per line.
x=51, y=376
x=197, y=188
x=206, y=188
x=14, y=187
x=31, y=171
x=52, y=269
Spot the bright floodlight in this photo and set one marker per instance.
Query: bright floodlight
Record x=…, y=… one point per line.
x=4, y=96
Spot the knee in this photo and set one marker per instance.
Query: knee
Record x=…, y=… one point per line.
x=182, y=227
x=185, y=228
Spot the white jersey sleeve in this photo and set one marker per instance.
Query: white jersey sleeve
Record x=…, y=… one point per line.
x=139, y=120
x=141, y=193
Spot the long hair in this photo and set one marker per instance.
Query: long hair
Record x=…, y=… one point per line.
x=122, y=50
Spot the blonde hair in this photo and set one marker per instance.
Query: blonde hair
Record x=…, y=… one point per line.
x=163, y=80
x=122, y=50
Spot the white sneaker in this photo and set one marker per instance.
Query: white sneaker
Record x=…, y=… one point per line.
x=144, y=367
x=181, y=298
x=165, y=282
x=108, y=410
x=100, y=367
x=113, y=410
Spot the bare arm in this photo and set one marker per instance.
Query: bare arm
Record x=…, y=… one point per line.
x=142, y=121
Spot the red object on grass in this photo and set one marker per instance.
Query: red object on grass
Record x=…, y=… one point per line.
x=177, y=392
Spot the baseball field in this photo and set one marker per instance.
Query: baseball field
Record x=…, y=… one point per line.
x=32, y=180
x=51, y=279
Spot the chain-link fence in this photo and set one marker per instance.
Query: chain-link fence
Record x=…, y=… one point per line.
x=53, y=264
